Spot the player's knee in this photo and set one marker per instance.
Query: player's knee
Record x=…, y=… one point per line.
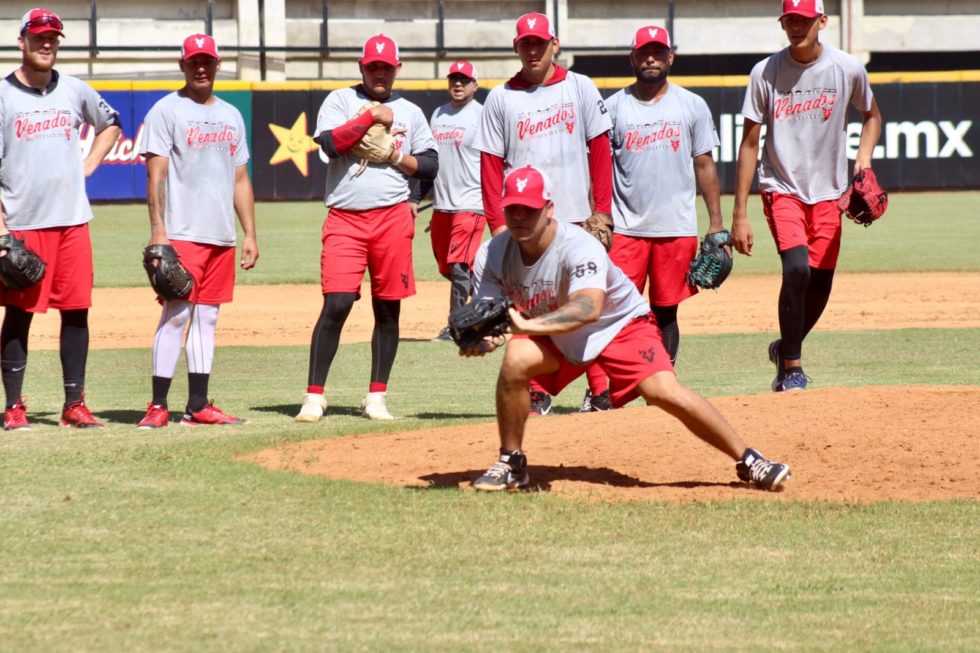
x=522, y=357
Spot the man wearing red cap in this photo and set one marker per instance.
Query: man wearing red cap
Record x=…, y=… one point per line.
x=457, y=219
x=197, y=182
x=369, y=224
x=43, y=203
x=801, y=94
x=555, y=119
x=662, y=140
x=572, y=306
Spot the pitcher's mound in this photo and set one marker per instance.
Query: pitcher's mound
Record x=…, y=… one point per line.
x=914, y=443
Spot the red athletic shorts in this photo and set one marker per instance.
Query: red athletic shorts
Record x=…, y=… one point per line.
x=635, y=354
x=68, y=277
x=213, y=269
x=456, y=237
x=665, y=261
x=377, y=240
x=793, y=223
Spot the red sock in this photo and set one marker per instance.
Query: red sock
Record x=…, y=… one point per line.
x=377, y=387
x=598, y=383
x=314, y=389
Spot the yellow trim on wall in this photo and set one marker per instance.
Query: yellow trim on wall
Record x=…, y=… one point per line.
x=947, y=76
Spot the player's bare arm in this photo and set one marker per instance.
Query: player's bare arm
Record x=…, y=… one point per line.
x=101, y=145
x=748, y=156
x=157, y=168
x=244, y=200
x=870, y=132
x=583, y=307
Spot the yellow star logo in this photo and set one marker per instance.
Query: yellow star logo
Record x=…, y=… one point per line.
x=294, y=145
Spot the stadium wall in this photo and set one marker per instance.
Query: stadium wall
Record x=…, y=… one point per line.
x=929, y=141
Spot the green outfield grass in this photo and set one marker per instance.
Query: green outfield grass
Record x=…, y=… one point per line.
x=120, y=539
x=915, y=235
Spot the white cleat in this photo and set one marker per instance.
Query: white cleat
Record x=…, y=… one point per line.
x=313, y=407
x=375, y=406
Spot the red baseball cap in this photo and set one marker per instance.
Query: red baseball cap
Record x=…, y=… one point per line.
x=40, y=20
x=806, y=8
x=380, y=48
x=196, y=44
x=650, y=34
x=464, y=68
x=527, y=186
x=534, y=25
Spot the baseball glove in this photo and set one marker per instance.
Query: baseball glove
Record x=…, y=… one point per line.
x=20, y=268
x=600, y=226
x=169, y=278
x=864, y=201
x=713, y=264
x=377, y=144
x=482, y=318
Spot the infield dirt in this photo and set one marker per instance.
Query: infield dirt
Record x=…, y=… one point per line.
x=867, y=444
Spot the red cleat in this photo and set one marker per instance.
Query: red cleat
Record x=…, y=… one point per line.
x=78, y=416
x=210, y=414
x=156, y=417
x=15, y=417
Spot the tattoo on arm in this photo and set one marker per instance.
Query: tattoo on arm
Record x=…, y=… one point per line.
x=576, y=312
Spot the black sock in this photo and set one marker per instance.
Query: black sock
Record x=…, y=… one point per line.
x=197, y=391
x=13, y=343
x=74, y=353
x=161, y=388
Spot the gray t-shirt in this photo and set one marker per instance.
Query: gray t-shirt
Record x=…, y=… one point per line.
x=574, y=261
x=548, y=126
x=42, y=173
x=457, y=186
x=205, y=143
x=654, y=187
x=380, y=184
x=804, y=108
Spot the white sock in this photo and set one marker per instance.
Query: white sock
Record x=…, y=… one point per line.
x=170, y=333
x=200, y=338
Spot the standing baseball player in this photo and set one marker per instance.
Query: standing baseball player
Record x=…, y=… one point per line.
x=555, y=119
x=457, y=218
x=662, y=140
x=369, y=223
x=43, y=203
x=801, y=94
x=197, y=181
x=573, y=307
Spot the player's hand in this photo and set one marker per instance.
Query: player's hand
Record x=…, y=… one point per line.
x=742, y=235
x=414, y=208
x=250, y=253
x=383, y=114
x=484, y=347
x=518, y=323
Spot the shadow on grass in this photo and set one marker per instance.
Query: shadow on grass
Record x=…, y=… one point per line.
x=132, y=417
x=290, y=410
x=543, y=476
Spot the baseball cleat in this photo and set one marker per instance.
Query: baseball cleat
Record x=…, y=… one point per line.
x=156, y=417
x=596, y=403
x=209, y=415
x=767, y=474
x=540, y=403
x=443, y=336
x=508, y=473
x=794, y=379
x=313, y=408
x=15, y=417
x=375, y=406
x=77, y=415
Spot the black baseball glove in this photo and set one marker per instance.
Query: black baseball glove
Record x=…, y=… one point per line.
x=713, y=264
x=482, y=318
x=168, y=276
x=20, y=268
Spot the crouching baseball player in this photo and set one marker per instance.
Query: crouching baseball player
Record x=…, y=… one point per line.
x=197, y=169
x=574, y=307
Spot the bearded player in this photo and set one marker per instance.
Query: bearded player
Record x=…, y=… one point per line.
x=43, y=203
x=554, y=119
x=572, y=307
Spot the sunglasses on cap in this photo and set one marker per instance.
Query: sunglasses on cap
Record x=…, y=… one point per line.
x=46, y=20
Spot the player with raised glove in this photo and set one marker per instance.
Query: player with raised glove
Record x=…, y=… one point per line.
x=713, y=264
x=168, y=276
x=600, y=225
x=864, y=201
x=20, y=268
x=471, y=324
x=377, y=145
